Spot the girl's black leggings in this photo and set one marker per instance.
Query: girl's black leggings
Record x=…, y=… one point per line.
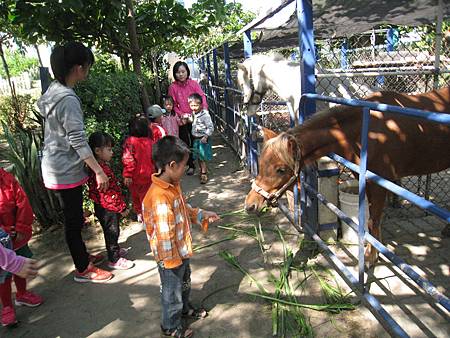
x=185, y=133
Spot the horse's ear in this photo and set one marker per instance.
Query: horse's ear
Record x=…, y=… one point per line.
x=268, y=134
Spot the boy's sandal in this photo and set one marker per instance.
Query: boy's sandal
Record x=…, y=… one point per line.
x=203, y=178
x=179, y=332
x=195, y=313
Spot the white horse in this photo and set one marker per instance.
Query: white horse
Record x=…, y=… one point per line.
x=259, y=73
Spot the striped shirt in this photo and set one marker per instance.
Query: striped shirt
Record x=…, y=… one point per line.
x=168, y=218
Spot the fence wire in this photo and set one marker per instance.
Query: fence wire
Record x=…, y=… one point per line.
x=401, y=60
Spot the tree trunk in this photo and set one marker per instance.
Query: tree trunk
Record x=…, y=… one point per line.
x=6, y=68
x=136, y=52
x=39, y=55
x=125, y=61
x=155, y=72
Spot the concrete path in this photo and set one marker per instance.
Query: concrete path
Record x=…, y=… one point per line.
x=128, y=306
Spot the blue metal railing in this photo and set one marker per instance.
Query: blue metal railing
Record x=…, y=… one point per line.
x=366, y=174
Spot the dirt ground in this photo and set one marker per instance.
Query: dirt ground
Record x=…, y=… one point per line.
x=128, y=305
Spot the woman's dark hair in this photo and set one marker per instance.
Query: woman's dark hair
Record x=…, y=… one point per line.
x=177, y=65
x=138, y=127
x=63, y=58
x=168, y=149
x=100, y=139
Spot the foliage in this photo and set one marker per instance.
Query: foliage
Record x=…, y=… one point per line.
x=22, y=152
x=109, y=101
x=18, y=63
x=104, y=63
x=16, y=116
x=222, y=22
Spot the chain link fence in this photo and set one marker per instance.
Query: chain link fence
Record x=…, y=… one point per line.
x=404, y=60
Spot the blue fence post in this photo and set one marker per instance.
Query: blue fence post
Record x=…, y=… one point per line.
x=216, y=83
x=229, y=115
x=247, y=44
x=208, y=72
x=251, y=144
x=307, y=62
x=344, y=51
x=391, y=43
x=391, y=39
x=362, y=195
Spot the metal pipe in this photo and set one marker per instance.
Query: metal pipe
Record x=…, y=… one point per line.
x=428, y=287
x=370, y=301
x=402, y=192
x=426, y=115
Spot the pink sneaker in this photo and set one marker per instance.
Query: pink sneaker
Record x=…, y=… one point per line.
x=121, y=264
x=28, y=299
x=96, y=259
x=92, y=274
x=8, y=316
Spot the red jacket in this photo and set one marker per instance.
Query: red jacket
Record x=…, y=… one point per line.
x=158, y=132
x=137, y=159
x=16, y=214
x=110, y=199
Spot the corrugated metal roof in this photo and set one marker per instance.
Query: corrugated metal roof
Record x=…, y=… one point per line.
x=338, y=18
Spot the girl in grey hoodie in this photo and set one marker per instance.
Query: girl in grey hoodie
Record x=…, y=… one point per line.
x=66, y=151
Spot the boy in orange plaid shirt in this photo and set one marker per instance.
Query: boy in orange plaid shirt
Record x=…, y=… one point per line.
x=168, y=220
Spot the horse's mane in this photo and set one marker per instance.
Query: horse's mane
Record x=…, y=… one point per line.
x=319, y=117
x=278, y=146
x=286, y=140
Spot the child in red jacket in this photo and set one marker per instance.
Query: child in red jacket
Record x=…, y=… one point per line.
x=154, y=115
x=16, y=217
x=109, y=205
x=137, y=162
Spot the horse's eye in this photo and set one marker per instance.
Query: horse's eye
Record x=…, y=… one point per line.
x=281, y=171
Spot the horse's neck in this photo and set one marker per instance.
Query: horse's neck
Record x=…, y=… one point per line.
x=282, y=78
x=330, y=131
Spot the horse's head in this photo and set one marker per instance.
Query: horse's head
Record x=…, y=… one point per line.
x=252, y=83
x=278, y=167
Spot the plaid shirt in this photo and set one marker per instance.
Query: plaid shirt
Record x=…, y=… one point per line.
x=168, y=219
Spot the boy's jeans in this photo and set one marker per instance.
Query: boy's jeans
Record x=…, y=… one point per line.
x=175, y=290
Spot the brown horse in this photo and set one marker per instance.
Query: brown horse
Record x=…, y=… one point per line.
x=398, y=146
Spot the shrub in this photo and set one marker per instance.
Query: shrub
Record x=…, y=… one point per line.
x=24, y=144
x=15, y=111
x=109, y=101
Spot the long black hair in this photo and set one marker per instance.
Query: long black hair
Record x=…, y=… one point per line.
x=63, y=58
x=177, y=65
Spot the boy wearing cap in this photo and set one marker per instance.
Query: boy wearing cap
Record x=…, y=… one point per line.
x=154, y=115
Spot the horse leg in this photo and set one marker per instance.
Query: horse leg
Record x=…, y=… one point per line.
x=376, y=196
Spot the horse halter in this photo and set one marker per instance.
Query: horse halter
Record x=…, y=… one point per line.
x=272, y=198
x=255, y=94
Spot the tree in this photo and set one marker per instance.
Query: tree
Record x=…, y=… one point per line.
x=217, y=22
x=136, y=51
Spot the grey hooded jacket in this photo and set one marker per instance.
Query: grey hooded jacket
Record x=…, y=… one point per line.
x=202, y=124
x=65, y=144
